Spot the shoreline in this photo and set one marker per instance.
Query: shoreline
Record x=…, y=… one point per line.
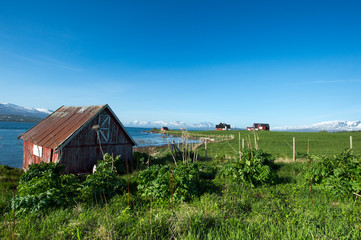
x=149, y=149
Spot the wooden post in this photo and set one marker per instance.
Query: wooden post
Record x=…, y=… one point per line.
x=239, y=146
x=205, y=148
x=351, y=142
x=255, y=140
x=242, y=143
x=294, y=149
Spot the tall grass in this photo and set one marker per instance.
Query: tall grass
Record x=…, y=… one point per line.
x=280, y=211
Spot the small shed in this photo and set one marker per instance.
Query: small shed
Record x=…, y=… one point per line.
x=77, y=137
x=223, y=126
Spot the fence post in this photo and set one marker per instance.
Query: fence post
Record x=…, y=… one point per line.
x=294, y=149
x=239, y=146
x=205, y=148
x=351, y=142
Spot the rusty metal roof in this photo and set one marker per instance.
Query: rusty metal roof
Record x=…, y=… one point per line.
x=62, y=124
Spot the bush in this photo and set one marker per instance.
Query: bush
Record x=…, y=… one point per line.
x=101, y=186
x=43, y=187
x=207, y=171
x=159, y=181
x=340, y=174
x=41, y=169
x=140, y=159
x=109, y=163
x=105, y=182
x=255, y=168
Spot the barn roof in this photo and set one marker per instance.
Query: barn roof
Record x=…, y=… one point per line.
x=61, y=126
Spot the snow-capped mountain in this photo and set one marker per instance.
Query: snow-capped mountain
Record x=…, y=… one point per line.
x=330, y=126
x=174, y=125
x=14, y=112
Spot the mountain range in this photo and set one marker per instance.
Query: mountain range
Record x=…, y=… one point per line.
x=15, y=113
x=330, y=126
x=172, y=125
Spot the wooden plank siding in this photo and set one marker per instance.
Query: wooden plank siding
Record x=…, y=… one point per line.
x=29, y=157
x=83, y=151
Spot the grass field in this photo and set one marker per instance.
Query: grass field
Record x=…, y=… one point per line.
x=279, y=144
x=224, y=208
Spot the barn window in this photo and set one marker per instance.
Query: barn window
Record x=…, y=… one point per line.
x=37, y=150
x=104, y=125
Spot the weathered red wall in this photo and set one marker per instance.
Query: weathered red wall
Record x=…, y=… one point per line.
x=30, y=158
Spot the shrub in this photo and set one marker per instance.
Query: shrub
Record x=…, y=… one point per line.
x=340, y=174
x=102, y=185
x=255, y=168
x=207, y=171
x=109, y=163
x=158, y=182
x=41, y=169
x=105, y=182
x=43, y=187
x=140, y=159
x=186, y=181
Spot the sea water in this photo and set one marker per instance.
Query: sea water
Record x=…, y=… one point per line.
x=11, y=148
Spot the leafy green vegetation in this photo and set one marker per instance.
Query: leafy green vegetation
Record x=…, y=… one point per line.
x=9, y=178
x=340, y=174
x=255, y=168
x=164, y=183
x=221, y=197
x=43, y=187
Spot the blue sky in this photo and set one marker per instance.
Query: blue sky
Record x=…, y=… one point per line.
x=280, y=62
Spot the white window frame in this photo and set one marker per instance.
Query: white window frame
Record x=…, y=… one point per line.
x=37, y=150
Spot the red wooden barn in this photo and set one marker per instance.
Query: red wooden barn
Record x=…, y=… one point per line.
x=77, y=137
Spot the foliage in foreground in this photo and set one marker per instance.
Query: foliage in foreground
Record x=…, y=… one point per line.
x=255, y=168
x=239, y=211
x=160, y=182
x=105, y=182
x=281, y=211
x=45, y=186
x=9, y=178
x=340, y=174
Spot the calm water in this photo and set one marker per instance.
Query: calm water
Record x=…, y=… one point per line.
x=11, y=148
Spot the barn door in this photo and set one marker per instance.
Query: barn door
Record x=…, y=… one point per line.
x=104, y=128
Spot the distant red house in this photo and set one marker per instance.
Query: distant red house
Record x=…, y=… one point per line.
x=259, y=126
x=77, y=137
x=223, y=126
x=164, y=129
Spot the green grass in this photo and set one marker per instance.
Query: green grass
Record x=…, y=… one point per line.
x=282, y=211
x=279, y=144
x=224, y=210
x=9, y=178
